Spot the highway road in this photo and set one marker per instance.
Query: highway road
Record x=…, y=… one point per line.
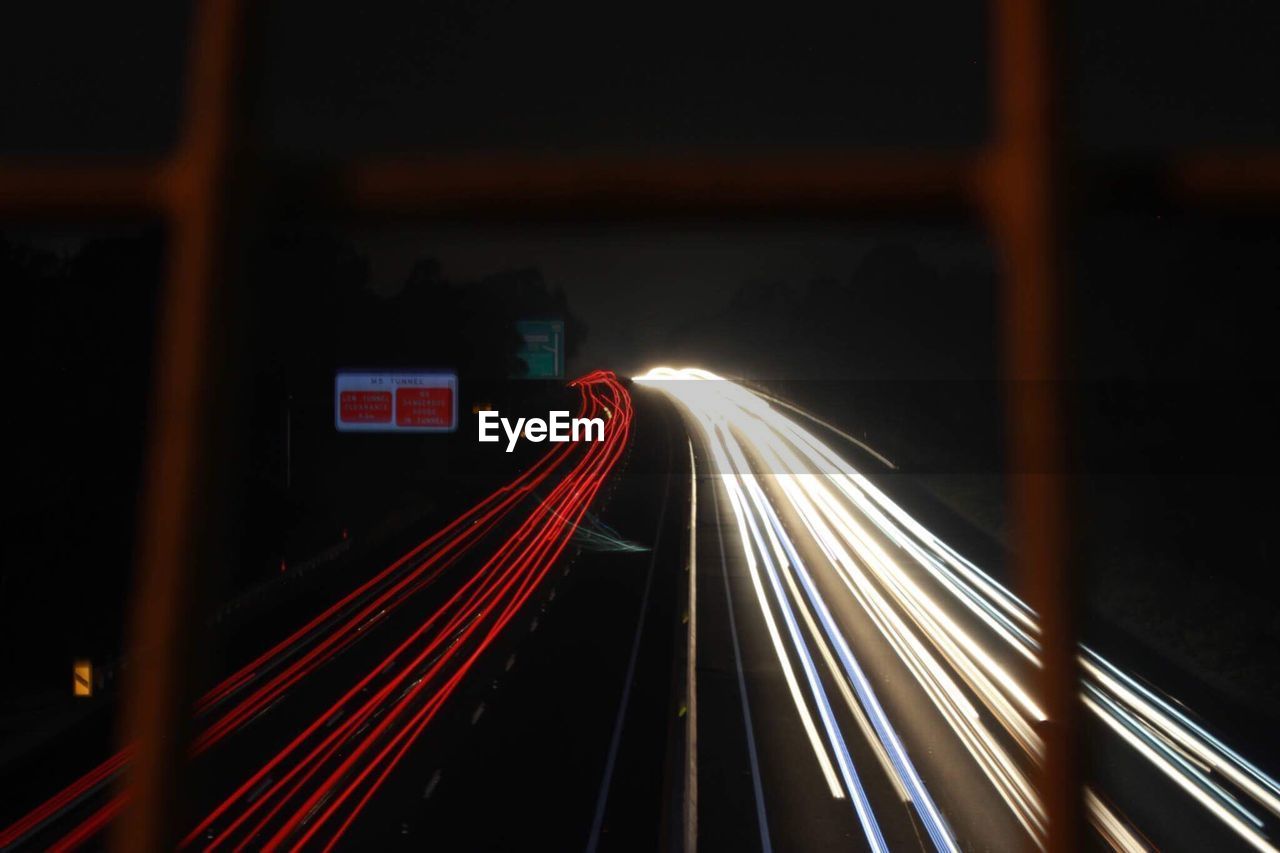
x=727, y=626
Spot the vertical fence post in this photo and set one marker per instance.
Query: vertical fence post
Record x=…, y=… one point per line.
x=177, y=492
x=1025, y=201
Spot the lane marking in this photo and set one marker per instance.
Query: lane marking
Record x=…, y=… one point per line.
x=431, y=785
x=752, y=543
x=691, y=673
x=761, y=817
x=602, y=799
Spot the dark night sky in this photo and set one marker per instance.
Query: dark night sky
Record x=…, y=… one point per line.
x=488, y=74
x=94, y=77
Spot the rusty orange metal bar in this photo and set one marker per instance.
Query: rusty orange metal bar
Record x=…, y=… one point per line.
x=1245, y=175
x=1026, y=205
x=178, y=475
x=77, y=188
x=623, y=185
x=620, y=186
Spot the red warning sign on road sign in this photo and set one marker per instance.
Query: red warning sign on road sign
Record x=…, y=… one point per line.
x=364, y=407
x=424, y=407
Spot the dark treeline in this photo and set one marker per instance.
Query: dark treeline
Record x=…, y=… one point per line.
x=895, y=317
x=900, y=351
x=312, y=310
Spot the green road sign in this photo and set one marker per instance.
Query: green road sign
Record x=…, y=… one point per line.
x=542, y=348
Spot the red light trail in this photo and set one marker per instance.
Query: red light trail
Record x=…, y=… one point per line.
x=334, y=769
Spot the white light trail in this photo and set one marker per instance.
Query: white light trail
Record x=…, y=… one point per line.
x=911, y=599
x=788, y=672
x=852, y=783
x=755, y=515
